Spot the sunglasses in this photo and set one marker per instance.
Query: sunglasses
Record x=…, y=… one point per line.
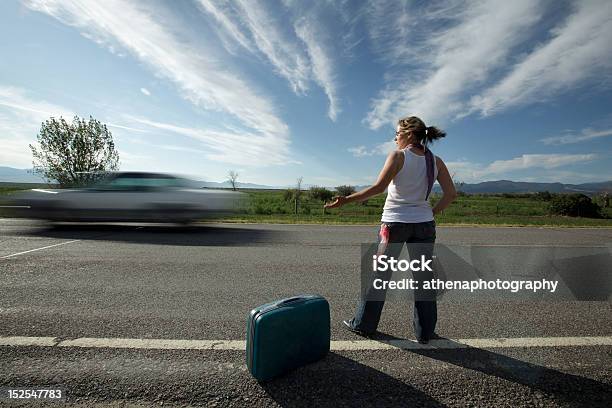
x=397, y=133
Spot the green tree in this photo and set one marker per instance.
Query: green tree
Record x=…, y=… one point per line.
x=297, y=194
x=543, y=196
x=345, y=190
x=74, y=153
x=298, y=188
x=233, y=179
x=320, y=193
x=574, y=205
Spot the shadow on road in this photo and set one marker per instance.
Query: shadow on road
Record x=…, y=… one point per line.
x=194, y=235
x=559, y=386
x=337, y=381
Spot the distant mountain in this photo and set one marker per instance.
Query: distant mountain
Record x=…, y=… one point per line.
x=13, y=175
x=226, y=184
x=507, y=186
x=490, y=187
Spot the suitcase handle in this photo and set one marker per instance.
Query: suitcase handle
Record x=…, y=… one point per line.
x=289, y=300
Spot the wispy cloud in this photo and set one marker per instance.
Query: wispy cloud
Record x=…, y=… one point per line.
x=586, y=134
x=133, y=161
x=470, y=171
x=565, y=176
x=360, y=151
x=145, y=91
x=448, y=63
x=348, y=20
x=381, y=149
x=300, y=56
x=228, y=30
x=130, y=128
x=201, y=78
x=322, y=63
x=20, y=119
x=273, y=41
x=391, y=29
x=241, y=148
x=16, y=100
x=579, y=50
x=15, y=151
x=545, y=161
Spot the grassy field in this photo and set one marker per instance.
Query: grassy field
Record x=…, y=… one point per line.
x=269, y=206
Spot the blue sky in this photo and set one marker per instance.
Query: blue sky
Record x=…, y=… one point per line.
x=281, y=89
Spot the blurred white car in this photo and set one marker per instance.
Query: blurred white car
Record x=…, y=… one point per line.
x=128, y=196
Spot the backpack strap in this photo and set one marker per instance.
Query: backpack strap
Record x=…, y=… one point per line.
x=430, y=163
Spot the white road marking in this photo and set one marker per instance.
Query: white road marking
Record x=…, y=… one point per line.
x=337, y=345
x=161, y=344
x=39, y=249
x=28, y=341
x=529, y=245
x=474, y=343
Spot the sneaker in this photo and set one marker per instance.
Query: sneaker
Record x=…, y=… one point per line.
x=434, y=336
x=349, y=325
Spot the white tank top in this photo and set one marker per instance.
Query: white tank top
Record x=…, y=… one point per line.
x=406, y=193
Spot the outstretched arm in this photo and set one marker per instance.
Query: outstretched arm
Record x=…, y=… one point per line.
x=393, y=164
x=448, y=188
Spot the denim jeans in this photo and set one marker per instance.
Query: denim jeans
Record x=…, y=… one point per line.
x=425, y=311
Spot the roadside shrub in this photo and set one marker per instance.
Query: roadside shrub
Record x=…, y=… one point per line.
x=345, y=190
x=262, y=210
x=289, y=194
x=320, y=193
x=574, y=205
x=602, y=199
x=543, y=196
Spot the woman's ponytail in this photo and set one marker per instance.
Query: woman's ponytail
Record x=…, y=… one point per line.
x=422, y=133
x=433, y=133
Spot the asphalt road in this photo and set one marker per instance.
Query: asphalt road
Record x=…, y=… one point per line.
x=200, y=282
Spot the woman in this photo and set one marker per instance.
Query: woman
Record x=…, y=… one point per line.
x=407, y=215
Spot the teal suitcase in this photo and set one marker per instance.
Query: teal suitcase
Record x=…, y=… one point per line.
x=287, y=334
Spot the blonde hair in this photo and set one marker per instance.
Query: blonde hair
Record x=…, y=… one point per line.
x=424, y=134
